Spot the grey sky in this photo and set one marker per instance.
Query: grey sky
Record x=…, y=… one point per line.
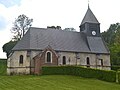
x=65, y=13
x=10, y=3
x=3, y=23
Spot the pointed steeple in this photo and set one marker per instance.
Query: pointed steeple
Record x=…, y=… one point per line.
x=90, y=25
x=89, y=17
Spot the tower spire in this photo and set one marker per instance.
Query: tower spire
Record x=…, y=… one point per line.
x=90, y=25
x=88, y=3
x=89, y=17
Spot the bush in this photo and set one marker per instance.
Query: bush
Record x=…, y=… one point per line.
x=3, y=66
x=80, y=71
x=115, y=68
x=118, y=77
x=57, y=70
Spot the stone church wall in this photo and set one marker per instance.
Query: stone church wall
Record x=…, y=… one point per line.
x=72, y=58
x=81, y=59
x=32, y=55
x=106, y=61
x=14, y=67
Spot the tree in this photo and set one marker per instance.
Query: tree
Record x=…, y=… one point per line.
x=59, y=28
x=115, y=54
x=112, y=38
x=69, y=29
x=55, y=27
x=110, y=34
x=20, y=26
x=117, y=36
x=8, y=47
x=115, y=48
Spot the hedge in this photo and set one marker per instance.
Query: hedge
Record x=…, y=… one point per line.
x=3, y=66
x=118, y=76
x=109, y=76
x=116, y=68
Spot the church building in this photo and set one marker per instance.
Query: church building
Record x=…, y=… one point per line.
x=48, y=47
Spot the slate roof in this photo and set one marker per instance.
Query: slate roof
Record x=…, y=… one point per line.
x=89, y=17
x=97, y=44
x=59, y=40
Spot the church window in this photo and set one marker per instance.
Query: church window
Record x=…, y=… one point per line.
x=64, y=60
x=48, y=57
x=21, y=59
x=88, y=62
x=101, y=62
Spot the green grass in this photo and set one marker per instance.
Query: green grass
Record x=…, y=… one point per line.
x=3, y=67
x=51, y=82
x=54, y=82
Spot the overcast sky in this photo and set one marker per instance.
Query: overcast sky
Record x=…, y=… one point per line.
x=65, y=13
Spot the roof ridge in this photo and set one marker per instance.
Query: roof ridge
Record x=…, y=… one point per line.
x=53, y=29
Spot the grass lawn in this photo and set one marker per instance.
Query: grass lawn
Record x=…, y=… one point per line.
x=51, y=82
x=54, y=82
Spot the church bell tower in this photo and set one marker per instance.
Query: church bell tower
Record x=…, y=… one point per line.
x=90, y=25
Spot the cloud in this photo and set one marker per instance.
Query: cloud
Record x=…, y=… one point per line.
x=10, y=3
x=65, y=13
x=3, y=23
x=5, y=36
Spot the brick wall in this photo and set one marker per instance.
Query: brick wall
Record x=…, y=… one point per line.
x=40, y=60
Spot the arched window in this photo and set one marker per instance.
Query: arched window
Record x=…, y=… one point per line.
x=64, y=60
x=88, y=62
x=101, y=62
x=21, y=59
x=49, y=57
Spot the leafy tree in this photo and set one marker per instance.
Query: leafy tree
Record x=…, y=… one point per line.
x=115, y=48
x=112, y=38
x=55, y=27
x=115, y=54
x=20, y=26
x=110, y=35
x=59, y=28
x=7, y=47
x=69, y=29
x=117, y=36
